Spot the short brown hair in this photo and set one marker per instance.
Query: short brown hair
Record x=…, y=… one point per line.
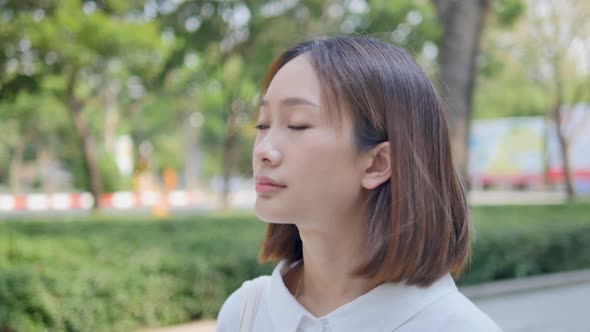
x=418, y=229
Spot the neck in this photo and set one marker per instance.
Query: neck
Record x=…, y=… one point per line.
x=325, y=279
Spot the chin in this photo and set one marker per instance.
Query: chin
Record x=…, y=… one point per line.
x=271, y=219
x=271, y=215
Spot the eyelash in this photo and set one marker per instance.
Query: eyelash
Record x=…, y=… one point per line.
x=262, y=127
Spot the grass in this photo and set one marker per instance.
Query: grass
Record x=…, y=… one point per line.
x=515, y=217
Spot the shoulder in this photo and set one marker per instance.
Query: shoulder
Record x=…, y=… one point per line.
x=230, y=313
x=452, y=312
x=228, y=318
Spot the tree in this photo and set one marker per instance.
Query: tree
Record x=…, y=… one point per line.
x=32, y=123
x=73, y=44
x=462, y=25
x=237, y=41
x=558, y=47
x=78, y=46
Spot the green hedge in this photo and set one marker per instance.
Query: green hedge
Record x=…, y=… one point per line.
x=519, y=241
x=520, y=253
x=120, y=275
x=117, y=276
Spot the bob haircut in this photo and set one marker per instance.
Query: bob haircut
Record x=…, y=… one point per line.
x=418, y=225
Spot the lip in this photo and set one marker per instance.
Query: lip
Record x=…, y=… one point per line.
x=267, y=185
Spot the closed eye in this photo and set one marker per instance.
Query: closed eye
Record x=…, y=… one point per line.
x=262, y=127
x=298, y=127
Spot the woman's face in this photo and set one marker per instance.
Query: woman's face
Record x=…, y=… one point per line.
x=312, y=160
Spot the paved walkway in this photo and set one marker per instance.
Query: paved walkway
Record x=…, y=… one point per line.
x=560, y=309
x=202, y=326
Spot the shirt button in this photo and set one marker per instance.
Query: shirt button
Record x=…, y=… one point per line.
x=308, y=324
x=317, y=326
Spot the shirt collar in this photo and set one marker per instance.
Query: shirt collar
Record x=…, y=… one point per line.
x=285, y=311
x=387, y=306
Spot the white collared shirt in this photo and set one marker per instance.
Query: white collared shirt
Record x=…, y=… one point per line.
x=388, y=307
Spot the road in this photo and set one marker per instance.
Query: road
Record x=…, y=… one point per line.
x=559, y=309
x=245, y=199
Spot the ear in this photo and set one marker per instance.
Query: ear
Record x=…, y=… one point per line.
x=378, y=166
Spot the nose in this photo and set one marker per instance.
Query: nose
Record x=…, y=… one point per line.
x=266, y=152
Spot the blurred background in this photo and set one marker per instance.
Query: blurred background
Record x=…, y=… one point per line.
x=126, y=130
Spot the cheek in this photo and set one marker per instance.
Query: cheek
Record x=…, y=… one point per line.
x=326, y=165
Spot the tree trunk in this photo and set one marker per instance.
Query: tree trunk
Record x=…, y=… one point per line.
x=191, y=161
x=16, y=164
x=564, y=152
x=545, y=154
x=230, y=152
x=556, y=62
x=111, y=120
x=462, y=23
x=45, y=160
x=90, y=156
x=88, y=143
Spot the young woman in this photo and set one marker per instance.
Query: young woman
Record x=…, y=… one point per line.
x=366, y=215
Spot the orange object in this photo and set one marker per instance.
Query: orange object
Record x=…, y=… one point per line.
x=170, y=179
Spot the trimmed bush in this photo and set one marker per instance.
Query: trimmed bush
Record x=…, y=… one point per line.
x=117, y=276
x=519, y=253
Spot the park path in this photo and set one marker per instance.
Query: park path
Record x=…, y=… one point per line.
x=558, y=309
x=200, y=326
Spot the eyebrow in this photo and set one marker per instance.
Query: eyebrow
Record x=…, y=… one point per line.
x=291, y=101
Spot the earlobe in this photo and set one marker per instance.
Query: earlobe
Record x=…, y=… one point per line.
x=379, y=169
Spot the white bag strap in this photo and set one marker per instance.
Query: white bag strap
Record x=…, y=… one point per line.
x=250, y=298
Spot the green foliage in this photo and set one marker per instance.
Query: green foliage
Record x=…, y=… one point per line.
x=189, y=56
x=519, y=241
x=117, y=275
x=407, y=23
x=505, y=85
x=513, y=254
x=507, y=12
x=70, y=54
x=109, y=274
x=507, y=93
x=40, y=115
x=111, y=177
x=111, y=41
